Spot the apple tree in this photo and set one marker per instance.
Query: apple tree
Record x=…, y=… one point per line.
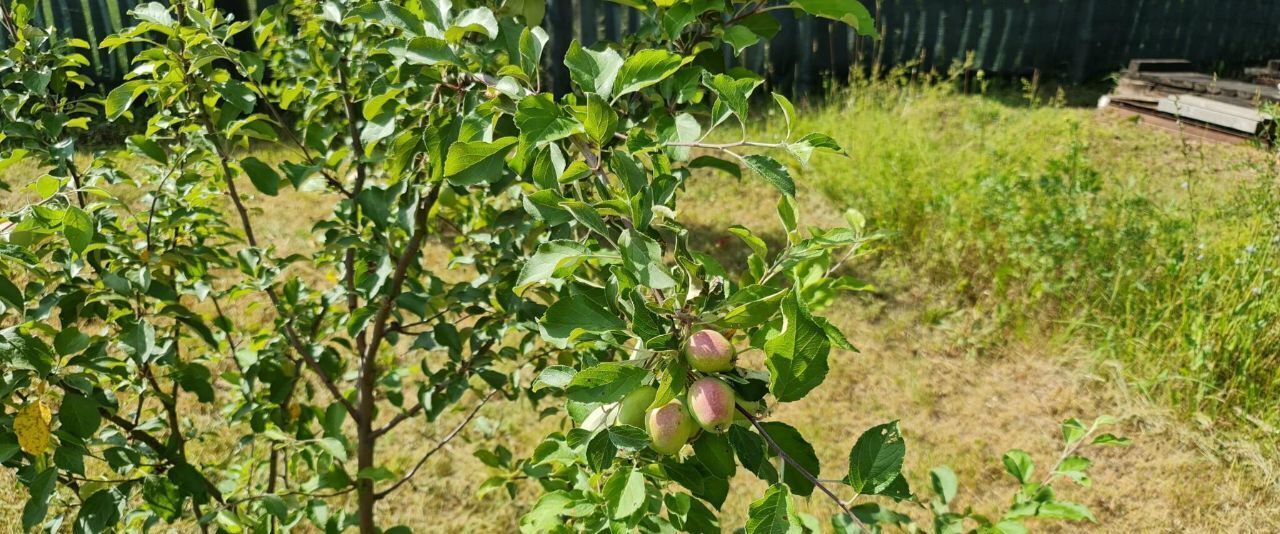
x=165, y=359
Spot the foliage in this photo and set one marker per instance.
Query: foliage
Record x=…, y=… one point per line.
x=426, y=126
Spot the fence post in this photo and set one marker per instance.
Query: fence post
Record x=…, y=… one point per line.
x=1084, y=41
x=588, y=22
x=560, y=17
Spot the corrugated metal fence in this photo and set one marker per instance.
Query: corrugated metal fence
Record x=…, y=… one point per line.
x=1075, y=39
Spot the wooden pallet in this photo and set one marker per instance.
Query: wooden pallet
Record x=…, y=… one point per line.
x=1268, y=75
x=1170, y=94
x=1191, y=128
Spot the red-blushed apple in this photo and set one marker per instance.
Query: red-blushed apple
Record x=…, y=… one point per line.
x=670, y=427
x=709, y=352
x=711, y=401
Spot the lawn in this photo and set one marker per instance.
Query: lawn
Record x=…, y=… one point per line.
x=1039, y=262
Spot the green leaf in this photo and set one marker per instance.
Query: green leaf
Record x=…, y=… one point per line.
x=606, y=382
x=79, y=416
x=1065, y=510
x=594, y=72
x=643, y=257
x=476, y=162
x=690, y=515
x=37, y=506
x=587, y=215
x=944, y=483
x=541, y=121
x=647, y=68
x=672, y=384
x=162, y=498
x=750, y=449
x=850, y=12
x=237, y=95
x=428, y=51
x=625, y=492
x=148, y=147
x=25, y=352
x=1076, y=469
x=1073, y=430
x=876, y=459
x=1111, y=439
x=264, y=178
x=120, y=98
x=751, y=306
x=334, y=447
x=774, y=513
x=749, y=238
x=153, y=12
x=740, y=37
x=99, y=513
x=77, y=226
x=556, y=261
x=479, y=20
x=555, y=376
x=734, y=92
x=531, y=10
x=275, y=505
x=797, y=356
x=70, y=341
x=628, y=437
x=794, y=444
x=601, y=120
x=600, y=452
x=378, y=128
x=545, y=515
x=715, y=452
x=10, y=293
x=788, y=111
x=772, y=171
x=712, y=162
x=391, y=15
x=804, y=148
x=762, y=24
x=573, y=316
x=678, y=132
x=1019, y=464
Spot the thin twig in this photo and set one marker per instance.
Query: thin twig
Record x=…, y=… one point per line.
x=449, y=437
x=791, y=461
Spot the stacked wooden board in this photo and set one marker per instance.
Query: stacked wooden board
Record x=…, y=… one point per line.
x=1268, y=75
x=1171, y=94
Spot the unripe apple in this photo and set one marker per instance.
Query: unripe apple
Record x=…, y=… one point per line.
x=670, y=427
x=632, y=408
x=711, y=402
x=755, y=408
x=709, y=352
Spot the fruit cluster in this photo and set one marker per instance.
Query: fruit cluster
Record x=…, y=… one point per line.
x=709, y=404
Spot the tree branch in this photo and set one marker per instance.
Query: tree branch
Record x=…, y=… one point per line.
x=290, y=333
x=449, y=437
x=795, y=465
x=407, y=258
x=439, y=386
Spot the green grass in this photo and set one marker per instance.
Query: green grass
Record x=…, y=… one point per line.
x=1041, y=220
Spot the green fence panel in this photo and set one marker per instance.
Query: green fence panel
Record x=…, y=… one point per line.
x=1075, y=39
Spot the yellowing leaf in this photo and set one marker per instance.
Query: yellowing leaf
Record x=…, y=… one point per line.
x=32, y=427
